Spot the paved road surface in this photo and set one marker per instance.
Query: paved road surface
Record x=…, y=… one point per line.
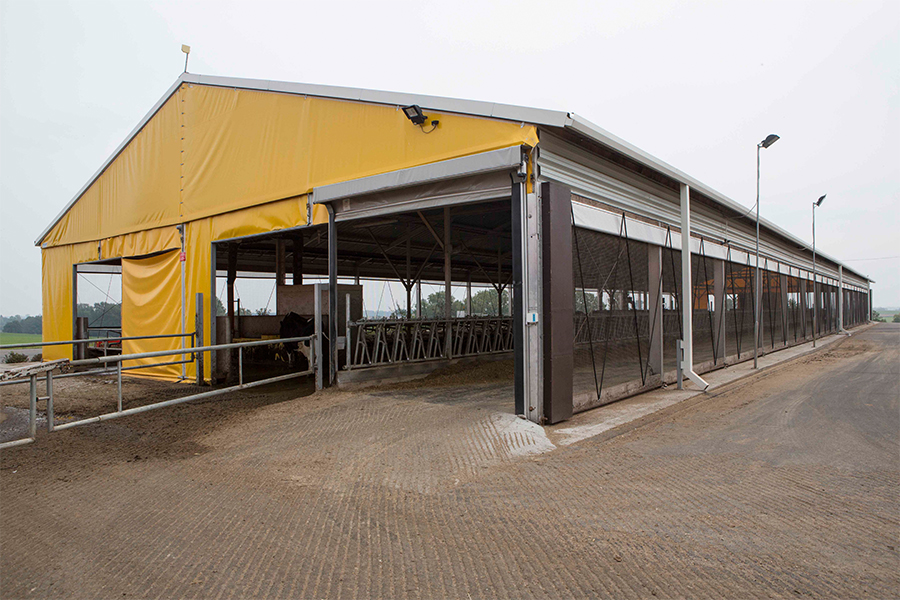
x=783, y=486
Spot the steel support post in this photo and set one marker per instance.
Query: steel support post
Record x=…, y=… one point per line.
x=448, y=291
x=518, y=305
x=332, y=296
x=687, y=304
x=317, y=345
x=81, y=333
x=347, y=355
x=407, y=284
x=720, y=310
x=840, y=296
x=418, y=298
x=868, y=301
x=198, y=328
x=655, y=357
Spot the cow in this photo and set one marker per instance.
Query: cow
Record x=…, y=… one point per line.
x=294, y=325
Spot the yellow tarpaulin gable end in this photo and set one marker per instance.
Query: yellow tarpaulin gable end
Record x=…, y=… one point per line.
x=210, y=150
x=151, y=305
x=229, y=163
x=57, y=274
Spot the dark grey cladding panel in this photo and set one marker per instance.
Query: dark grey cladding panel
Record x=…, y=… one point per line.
x=558, y=317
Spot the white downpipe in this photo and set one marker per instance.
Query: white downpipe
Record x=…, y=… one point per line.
x=687, y=308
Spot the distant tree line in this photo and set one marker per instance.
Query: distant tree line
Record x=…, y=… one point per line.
x=19, y=324
x=102, y=314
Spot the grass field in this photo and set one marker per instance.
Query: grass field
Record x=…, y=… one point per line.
x=886, y=314
x=19, y=338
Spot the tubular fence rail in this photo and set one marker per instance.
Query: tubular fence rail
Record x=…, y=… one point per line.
x=30, y=374
x=386, y=342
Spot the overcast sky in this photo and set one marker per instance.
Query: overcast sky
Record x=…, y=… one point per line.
x=696, y=84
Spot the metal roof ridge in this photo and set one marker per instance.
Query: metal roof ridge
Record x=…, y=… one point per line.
x=510, y=112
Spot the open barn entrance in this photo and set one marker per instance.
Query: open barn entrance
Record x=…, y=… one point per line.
x=416, y=291
x=447, y=272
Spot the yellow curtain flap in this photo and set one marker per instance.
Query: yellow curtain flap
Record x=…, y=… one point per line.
x=141, y=243
x=151, y=305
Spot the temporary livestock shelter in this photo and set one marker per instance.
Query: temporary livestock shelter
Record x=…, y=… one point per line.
x=583, y=231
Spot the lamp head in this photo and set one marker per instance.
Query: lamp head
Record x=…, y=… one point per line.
x=770, y=139
x=414, y=114
x=185, y=48
x=820, y=200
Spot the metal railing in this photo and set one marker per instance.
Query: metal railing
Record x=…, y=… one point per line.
x=386, y=342
x=104, y=343
x=30, y=374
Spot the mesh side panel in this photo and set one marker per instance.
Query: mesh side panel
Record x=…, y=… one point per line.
x=612, y=337
x=745, y=282
x=795, y=311
x=672, y=326
x=702, y=302
x=832, y=309
x=737, y=307
x=773, y=325
x=808, y=299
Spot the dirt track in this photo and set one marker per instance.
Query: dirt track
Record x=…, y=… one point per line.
x=784, y=486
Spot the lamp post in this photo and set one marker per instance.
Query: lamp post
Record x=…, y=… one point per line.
x=770, y=139
x=815, y=278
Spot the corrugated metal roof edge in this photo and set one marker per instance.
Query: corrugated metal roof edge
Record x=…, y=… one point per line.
x=509, y=112
x=588, y=129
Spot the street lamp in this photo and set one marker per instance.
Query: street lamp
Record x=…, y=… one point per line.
x=770, y=139
x=815, y=279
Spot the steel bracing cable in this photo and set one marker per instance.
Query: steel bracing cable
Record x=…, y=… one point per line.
x=615, y=275
x=770, y=309
x=637, y=336
x=675, y=281
x=712, y=339
x=587, y=314
x=653, y=318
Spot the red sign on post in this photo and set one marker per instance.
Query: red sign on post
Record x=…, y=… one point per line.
x=183, y=257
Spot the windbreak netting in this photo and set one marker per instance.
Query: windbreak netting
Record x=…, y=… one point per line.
x=740, y=306
x=611, y=295
x=772, y=311
x=703, y=304
x=834, y=308
x=671, y=299
x=808, y=312
x=794, y=310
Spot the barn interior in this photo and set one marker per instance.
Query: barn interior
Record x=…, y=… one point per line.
x=410, y=262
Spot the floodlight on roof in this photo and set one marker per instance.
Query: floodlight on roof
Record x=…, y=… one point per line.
x=770, y=139
x=414, y=114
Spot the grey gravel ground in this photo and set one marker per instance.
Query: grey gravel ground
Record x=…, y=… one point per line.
x=785, y=485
